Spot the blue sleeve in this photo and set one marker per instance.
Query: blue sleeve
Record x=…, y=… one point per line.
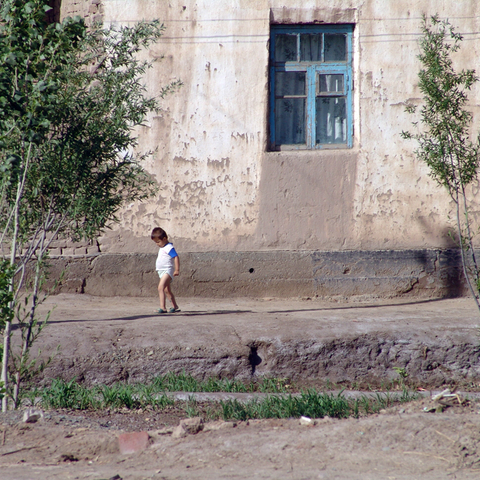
x=173, y=253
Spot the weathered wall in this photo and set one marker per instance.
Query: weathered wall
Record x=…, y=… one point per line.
x=90, y=10
x=395, y=204
x=221, y=190
x=219, y=187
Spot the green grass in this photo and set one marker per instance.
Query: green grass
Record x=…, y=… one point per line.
x=309, y=403
x=71, y=395
x=183, y=382
x=279, y=404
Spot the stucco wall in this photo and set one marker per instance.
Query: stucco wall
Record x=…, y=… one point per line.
x=90, y=10
x=395, y=204
x=220, y=189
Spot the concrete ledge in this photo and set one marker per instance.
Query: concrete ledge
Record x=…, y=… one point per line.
x=420, y=273
x=416, y=273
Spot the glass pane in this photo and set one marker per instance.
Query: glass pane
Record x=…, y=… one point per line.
x=290, y=121
x=335, y=47
x=289, y=83
x=311, y=47
x=331, y=120
x=285, y=48
x=330, y=83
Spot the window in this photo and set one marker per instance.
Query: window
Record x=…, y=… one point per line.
x=310, y=86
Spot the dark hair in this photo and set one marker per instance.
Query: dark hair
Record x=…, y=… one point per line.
x=158, y=234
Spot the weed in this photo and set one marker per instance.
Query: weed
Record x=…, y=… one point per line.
x=365, y=403
x=191, y=407
x=356, y=408
x=402, y=372
x=182, y=382
x=408, y=396
x=309, y=403
x=61, y=394
x=273, y=385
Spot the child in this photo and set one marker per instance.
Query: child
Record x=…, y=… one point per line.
x=167, y=266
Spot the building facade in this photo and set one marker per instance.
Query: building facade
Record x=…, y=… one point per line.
x=280, y=162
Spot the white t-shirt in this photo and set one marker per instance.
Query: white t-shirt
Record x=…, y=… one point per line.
x=165, y=258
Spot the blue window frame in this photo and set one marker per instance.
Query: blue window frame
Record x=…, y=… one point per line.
x=310, y=87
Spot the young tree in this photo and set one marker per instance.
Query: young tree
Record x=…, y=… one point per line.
x=70, y=98
x=444, y=139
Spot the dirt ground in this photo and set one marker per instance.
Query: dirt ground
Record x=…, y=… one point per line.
x=403, y=442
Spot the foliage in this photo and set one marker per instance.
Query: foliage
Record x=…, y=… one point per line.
x=70, y=100
x=6, y=294
x=444, y=139
x=402, y=372
x=6, y=298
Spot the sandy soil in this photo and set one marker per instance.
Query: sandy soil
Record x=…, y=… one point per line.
x=403, y=442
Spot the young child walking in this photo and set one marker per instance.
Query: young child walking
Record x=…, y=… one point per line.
x=167, y=266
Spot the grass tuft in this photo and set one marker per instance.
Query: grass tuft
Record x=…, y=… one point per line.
x=280, y=404
x=309, y=403
x=182, y=382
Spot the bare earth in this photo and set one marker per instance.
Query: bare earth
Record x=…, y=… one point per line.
x=403, y=442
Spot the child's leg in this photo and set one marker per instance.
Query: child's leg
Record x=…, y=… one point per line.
x=170, y=295
x=162, y=286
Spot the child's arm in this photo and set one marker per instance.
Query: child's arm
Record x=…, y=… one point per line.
x=176, y=263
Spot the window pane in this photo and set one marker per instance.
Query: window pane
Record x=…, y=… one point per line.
x=330, y=83
x=285, y=48
x=289, y=83
x=335, y=47
x=311, y=47
x=290, y=121
x=331, y=120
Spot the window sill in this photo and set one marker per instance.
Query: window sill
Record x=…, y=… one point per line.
x=301, y=148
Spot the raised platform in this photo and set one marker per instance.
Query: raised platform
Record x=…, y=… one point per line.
x=382, y=274
x=108, y=339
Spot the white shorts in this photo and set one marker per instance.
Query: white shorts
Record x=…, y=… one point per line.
x=161, y=273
